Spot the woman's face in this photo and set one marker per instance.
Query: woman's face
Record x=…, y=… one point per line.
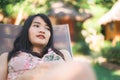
x=39, y=32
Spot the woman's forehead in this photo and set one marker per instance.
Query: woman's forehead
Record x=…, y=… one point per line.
x=39, y=20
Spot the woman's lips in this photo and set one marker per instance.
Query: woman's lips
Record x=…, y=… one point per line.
x=41, y=36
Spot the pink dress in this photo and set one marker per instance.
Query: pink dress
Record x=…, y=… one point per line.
x=24, y=61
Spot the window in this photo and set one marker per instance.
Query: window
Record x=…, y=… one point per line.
x=111, y=26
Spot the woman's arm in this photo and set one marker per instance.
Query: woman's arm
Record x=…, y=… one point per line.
x=3, y=66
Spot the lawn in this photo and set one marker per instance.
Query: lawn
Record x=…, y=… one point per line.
x=106, y=74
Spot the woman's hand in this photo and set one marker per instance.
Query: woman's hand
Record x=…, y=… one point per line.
x=37, y=73
x=73, y=70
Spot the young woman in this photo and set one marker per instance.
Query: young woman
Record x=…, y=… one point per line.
x=34, y=57
x=33, y=46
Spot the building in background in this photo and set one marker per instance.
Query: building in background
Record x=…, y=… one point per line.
x=110, y=23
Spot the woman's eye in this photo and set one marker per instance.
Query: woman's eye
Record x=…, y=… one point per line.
x=36, y=25
x=48, y=28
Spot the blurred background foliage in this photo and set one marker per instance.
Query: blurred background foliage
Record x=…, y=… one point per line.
x=12, y=7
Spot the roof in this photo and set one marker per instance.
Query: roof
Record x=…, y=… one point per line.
x=59, y=10
x=112, y=15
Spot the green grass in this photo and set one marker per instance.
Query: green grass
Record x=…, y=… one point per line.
x=106, y=74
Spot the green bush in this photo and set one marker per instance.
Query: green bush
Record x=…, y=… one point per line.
x=112, y=54
x=81, y=48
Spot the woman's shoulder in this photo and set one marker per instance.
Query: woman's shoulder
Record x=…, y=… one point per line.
x=66, y=54
x=3, y=58
x=3, y=65
x=3, y=55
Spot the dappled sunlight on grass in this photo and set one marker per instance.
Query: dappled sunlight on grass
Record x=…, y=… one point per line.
x=101, y=72
x=117, y=72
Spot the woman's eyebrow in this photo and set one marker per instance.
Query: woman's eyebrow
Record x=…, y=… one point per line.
x=37, y=22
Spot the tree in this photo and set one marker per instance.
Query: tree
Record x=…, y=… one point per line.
x=5, y=6
x=18, y=8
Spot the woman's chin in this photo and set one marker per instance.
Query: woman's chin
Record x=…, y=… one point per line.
x=41, y=44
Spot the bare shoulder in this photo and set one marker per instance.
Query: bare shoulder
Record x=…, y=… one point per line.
x=3, y=66
x=3, y=59
x=66, y=54
x=4, y=55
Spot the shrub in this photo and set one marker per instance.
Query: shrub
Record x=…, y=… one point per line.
x=81, y=48
x=112, y=54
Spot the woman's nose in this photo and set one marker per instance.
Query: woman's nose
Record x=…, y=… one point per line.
x=42, y=31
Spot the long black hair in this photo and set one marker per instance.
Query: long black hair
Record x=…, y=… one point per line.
x=22, y=42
